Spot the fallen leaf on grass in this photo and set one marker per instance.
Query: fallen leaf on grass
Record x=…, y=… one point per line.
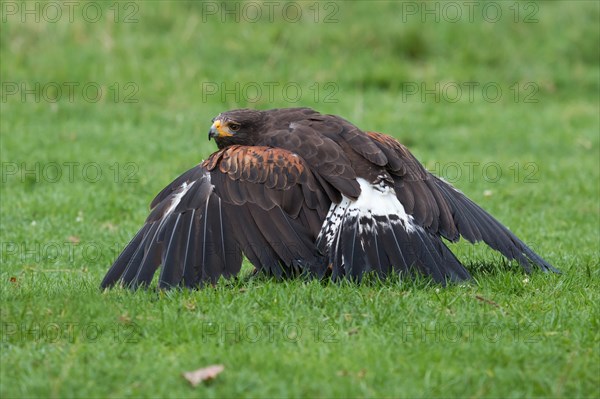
x=125, y=318
x=204, y=374
x=344, y=373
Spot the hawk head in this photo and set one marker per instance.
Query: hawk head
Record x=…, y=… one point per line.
x=240, y=126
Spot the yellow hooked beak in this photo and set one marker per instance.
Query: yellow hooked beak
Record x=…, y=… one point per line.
x=218, y=129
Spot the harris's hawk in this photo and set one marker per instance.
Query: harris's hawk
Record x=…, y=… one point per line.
x=298, y=192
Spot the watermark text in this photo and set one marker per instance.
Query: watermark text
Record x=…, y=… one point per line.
x=69, y=11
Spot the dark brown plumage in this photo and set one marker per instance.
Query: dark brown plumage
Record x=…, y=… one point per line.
x=299, y=192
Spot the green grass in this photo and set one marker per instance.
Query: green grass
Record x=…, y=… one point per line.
x=504, y=335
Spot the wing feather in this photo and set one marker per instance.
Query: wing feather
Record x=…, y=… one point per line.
x=443, y=210
x=264, y=202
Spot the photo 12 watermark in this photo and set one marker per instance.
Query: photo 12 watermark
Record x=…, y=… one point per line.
x=267, y=332
x=54, y=92
x=126, y=12
x=68, y=252
x=490, y=172
x=69, y=332
x=467, y=332
x=270, y=91
x=469, y=11
x=69, y=172
x=75, y=252
x=469, y=92
x=326, y=12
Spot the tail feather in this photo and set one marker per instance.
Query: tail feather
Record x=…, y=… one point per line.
x=374, y=234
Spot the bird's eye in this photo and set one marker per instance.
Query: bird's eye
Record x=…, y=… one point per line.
x=234, y=127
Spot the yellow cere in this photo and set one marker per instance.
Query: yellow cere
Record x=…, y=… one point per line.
x=221, y=129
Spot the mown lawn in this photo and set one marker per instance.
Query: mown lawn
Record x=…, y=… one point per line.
x=103, y=104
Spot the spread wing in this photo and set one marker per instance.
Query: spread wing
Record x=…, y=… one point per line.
x=365, y=230
x=441, y=209
x=259, y=201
